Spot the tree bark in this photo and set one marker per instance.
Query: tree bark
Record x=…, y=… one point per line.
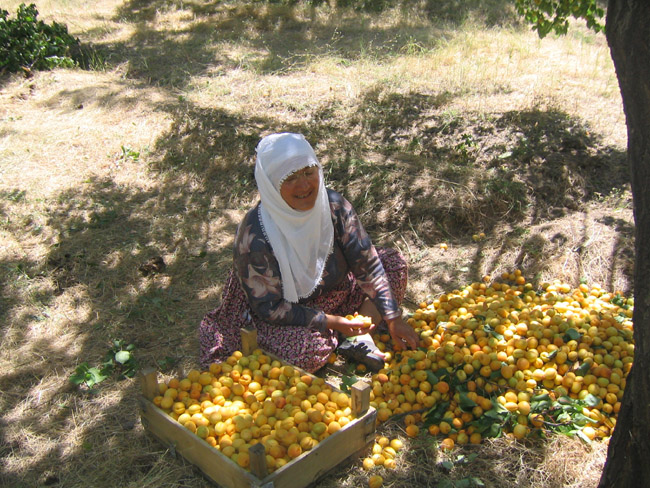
x=628, y=36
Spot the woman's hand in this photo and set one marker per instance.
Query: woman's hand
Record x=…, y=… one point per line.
x=403, y=335
x=348, y=327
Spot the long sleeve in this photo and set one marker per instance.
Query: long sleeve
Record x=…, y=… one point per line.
x=362, y=257
x=260, y=278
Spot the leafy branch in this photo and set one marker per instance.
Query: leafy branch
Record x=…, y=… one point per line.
x=28, y=43
x=552, y=16
x=119, y=361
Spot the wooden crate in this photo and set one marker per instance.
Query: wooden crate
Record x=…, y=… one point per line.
x=347, y=443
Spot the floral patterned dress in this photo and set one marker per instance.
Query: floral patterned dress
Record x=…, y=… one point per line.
x=252, y=296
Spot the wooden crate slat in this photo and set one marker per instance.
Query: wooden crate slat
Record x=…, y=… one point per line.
x=312, y=465
x=345, y=444
x=211, y=462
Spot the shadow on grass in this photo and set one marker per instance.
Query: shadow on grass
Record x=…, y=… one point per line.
x=276, y=37
x=105, y=233
x=409, y=164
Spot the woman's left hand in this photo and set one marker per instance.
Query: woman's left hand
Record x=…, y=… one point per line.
x=403, y=335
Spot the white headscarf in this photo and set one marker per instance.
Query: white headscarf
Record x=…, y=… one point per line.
x=301, y=240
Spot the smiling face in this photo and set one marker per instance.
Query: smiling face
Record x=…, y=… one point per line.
x=300, y=189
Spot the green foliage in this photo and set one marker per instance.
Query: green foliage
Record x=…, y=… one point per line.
x=85, y=375
x=469, y=482
x=129, y=154
x=553, y=15
x=167, y=363
x=564, y=415
x=119, y=361
x=347, y=380
x=459, y=460
x=466, y=148
x=26, y=42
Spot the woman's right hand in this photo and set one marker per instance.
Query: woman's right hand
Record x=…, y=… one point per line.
x=403, y=335
x=348, y=327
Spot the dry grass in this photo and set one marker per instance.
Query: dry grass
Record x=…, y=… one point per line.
x=436, y=129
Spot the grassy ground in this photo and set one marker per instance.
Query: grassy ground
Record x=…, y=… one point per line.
x=437, y=123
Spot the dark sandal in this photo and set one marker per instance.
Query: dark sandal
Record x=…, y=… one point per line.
x=359, y=350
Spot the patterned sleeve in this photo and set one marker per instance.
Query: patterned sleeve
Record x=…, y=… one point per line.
x=259, y=274
x=362, y=257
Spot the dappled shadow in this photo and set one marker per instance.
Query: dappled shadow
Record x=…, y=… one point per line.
x=413, y=173
x=491, y=12
x=410, y=166
x=622, y=255
x=564, y=163
x=105, y=233
x=457, y=175
x=279, y=38
x=212, y=145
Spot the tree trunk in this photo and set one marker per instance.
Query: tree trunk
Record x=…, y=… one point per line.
x=628, y=35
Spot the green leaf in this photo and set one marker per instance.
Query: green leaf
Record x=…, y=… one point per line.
x=443, y=375
x=167, y=363
x=107, y=369
x=494, y=430
x=540, y=402
x=498, y=407
x=466, y=403
x=130, y=370
x=495, y=375
x=583, y=437
x=122, y=356
x=435, y=414
x=494, y=333
x=492, y=414
x=573, y=334
x=448, y=465
x=583, y=369
x=591, y=400
x=77, y=379
x=80, y=375
x=582, y=419
x=347, y=382
x=97, y=375
x=432, y=378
